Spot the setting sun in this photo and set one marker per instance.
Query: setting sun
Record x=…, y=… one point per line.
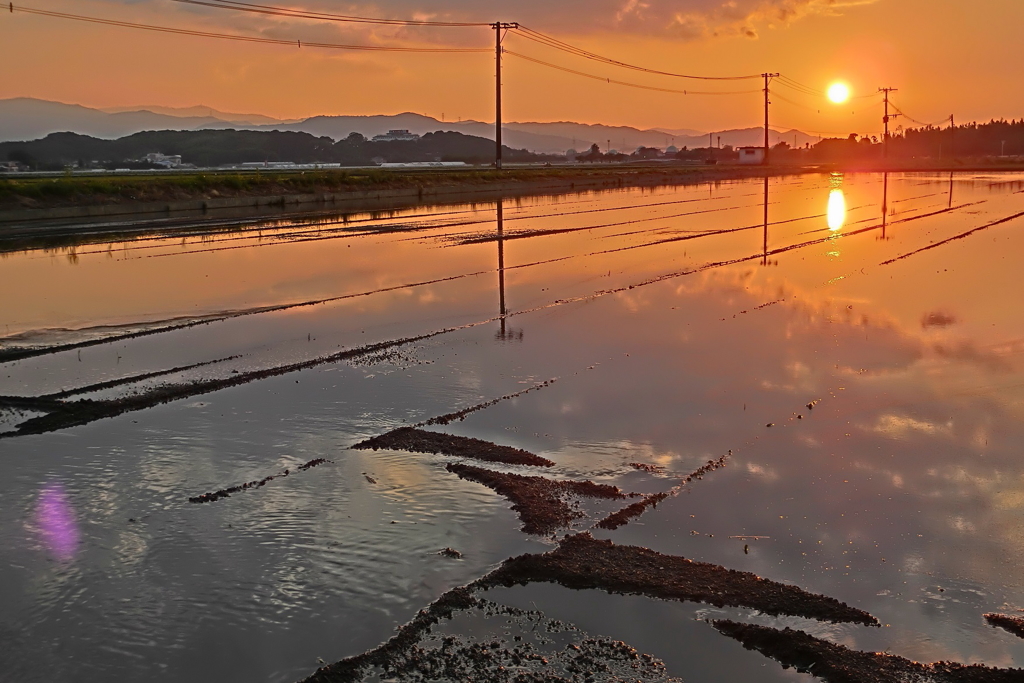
x=838, y=92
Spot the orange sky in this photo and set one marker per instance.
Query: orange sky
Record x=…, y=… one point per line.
x=945, y=56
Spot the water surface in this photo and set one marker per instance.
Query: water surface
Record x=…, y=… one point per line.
x=681, y=324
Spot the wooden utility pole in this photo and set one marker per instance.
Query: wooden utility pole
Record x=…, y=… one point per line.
x=767, y=80
x=952, y=137
x=498, y=27
x=885, y=120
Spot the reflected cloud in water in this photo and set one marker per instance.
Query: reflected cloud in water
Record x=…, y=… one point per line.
x=55, y=522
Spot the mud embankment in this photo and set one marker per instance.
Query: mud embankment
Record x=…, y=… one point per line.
x=352, y=669
x=838, y=664
x=459, y=415
x=225, y=493
x=582, y=562
x=623, y=516
x=64, y=414
x=1014, y=625
x=421, y=441
x=540, y=502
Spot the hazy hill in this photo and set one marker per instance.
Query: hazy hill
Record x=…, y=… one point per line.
x=25, y=118
x=29, y=119
x=200, y=111
x=223, y=147
x=338, y=127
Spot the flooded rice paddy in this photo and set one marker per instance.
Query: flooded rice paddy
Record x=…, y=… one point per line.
x=817, y=381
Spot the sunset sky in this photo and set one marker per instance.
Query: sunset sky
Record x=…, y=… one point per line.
x=945, y=57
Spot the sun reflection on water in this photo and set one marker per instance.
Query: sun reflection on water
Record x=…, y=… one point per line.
x=836, y=211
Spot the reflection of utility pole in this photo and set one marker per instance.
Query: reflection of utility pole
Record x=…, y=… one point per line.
x=503, y=334
x=885, y=120
x=950, y=204
x=764, y=258
x=498, y=27
x=767, y=80
x=885, y=200
x=501, y=265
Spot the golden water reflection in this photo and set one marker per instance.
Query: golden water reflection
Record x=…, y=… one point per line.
x=836, y=212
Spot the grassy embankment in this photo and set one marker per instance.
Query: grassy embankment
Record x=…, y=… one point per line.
x=70, y=190
x=18, y=193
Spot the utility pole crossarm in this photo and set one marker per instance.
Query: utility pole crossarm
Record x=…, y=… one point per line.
x=498, y=27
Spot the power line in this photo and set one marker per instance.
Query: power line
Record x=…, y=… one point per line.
x=813, y=92
x=527, y=33
x=324, y=16
x=921, y=123
x=816, y=109
x=235, y=37
x=552, y=42
x=625, y=83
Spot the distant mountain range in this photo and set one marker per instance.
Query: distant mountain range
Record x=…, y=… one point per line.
x=23, y=119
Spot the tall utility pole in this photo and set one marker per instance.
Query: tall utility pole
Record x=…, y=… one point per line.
x=885, y=120
x=498, y=27
x=952, y=137
x=767, y=80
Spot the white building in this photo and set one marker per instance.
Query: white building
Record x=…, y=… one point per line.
x=396, y=135
x=751, y=155
x=165, y=160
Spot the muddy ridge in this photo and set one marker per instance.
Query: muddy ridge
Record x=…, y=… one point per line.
x=645, y=467
x=838, y=664
x=64, y=414
x=623, y=516
x=1014, y=625
x=420, y=441
x=540, y=502
x=634, y=510
x=132, y=379
x=581, y=562
x=706, y=468
x=461, y=414
x=351, y=669
x=516, y=646
x=225, y=493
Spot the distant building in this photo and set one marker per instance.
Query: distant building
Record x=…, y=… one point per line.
x=165, y=160
x=396, y=136
x=671, y=150
x=269, y=164
x=751, y=155
x=425, y=164
x=10, y=166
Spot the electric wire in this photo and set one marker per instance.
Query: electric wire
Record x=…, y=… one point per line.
x=538, y=37
x=807, y=90
x=936, y=124
x=625, y=83
x=324, y=16
x=239, y=38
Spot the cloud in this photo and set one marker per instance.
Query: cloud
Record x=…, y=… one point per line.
x=679, y=19
x=745, y=18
